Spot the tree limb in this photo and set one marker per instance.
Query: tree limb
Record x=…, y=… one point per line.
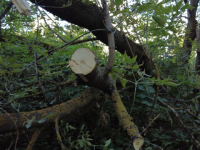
x=6, y=10
x=90, y=17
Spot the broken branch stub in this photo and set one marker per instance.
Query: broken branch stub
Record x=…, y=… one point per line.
x=126, y=121
x=22, y=6
x=83, y=62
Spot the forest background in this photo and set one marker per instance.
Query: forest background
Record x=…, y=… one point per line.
x=155, y=74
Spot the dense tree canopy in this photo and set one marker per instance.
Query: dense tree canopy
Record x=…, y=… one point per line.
x=134, y=78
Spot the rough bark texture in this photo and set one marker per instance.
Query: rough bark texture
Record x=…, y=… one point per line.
x=111, y=39
x=197, y=64
x=125, y=120
x=191, y=27
x=91, y=17
x=97, y=79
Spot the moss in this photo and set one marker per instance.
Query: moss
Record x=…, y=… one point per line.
x=60, y=110
x=125, y=120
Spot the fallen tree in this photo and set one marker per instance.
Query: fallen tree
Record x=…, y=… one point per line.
x=85, y=65
x=90, y=16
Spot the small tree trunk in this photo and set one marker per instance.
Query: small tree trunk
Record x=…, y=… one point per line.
x=197, y=64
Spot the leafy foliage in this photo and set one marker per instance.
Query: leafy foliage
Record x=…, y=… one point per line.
x=158, y=25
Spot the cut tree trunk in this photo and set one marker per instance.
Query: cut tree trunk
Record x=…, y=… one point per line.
x=90, y=16
x=84, y=63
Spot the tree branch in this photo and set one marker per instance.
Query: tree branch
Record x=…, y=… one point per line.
x=6, y=11
x=90, y=17
x=111, y=40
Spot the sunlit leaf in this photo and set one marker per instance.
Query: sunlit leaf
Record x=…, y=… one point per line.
x=107, y=142
x=123, y=81
x=29, y=123
x=47, y=117
x=118, y=2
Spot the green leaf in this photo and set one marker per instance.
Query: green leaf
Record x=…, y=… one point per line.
x=118, y=2
x=191, y=147
x=141, y=87
x=144, y=7
x=172, y=28
x=135, y=67
x=82, y=127
x=88, y=143
x=186, y=6
x=67, y=127
x=47, y=117
x=166, y=82
x=126, y=56
x=159, y=20
x=81, y=143
x=164, y=32
x=1, y=92
x=13, y=60
x=89, y=139
x=2, y=62
x=72, y=128
x=141, y=95
x=123, y=81
x=131, y=60
x=16, y=65
x=134, y=59
x=29, y=122
x=107, y=143
x=114, y=76
x=146, y=103
x=116, y=70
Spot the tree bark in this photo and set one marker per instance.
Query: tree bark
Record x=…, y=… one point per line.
x=90, y=16
x=77, y=106
x=190, y=35
x=197, y=64
x=85, y=65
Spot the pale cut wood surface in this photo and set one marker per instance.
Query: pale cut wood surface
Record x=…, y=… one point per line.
x=137, y=143
x=83, y=61
x=22, y=6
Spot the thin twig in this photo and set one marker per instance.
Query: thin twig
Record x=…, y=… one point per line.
x=181, y=122
x=6, y=11
x=154, y=145
x=55, y=23
x=149, y=124
x=111, y=39
x=147, y=46
x=144, y=51
x=51, y=28
x=10, y=145
x=129, y=45
x=35, y=62
x=58, y=135
x=35, y=94
x=34, y=138
x=192, y=114
x=84, y=40
x=126, y=16
x=54, y=50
